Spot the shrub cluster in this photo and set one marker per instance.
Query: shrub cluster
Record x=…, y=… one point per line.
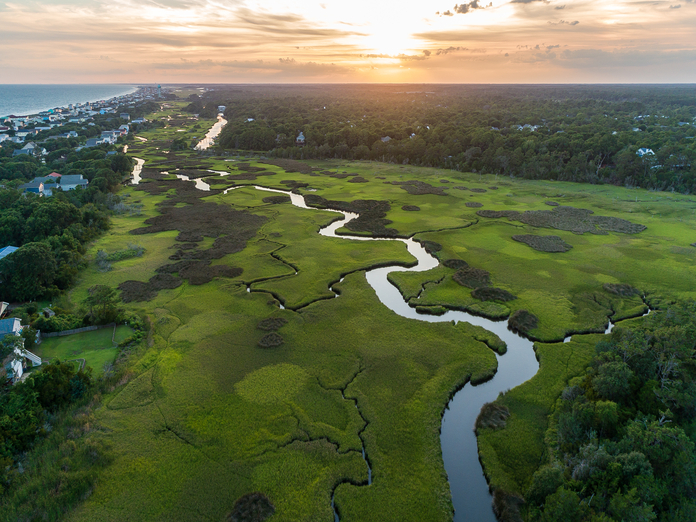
x=472, y=277
x=543, y=243
x=410, y=208
x=271, y=340
x=487, y=293
x=522, y=321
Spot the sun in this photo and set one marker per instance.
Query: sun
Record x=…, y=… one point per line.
x=389, y=38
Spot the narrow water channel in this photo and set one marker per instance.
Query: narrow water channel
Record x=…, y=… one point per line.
x=470, y=494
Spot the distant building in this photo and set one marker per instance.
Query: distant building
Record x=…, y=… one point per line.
x=221, y=108
x=645, y=152
x=14, y=364
x=300, y=141
x=386, y=139
x=72, y=182
x=125, y=116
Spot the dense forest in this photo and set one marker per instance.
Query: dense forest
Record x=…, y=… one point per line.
x=52, y=231
x=572, y=133
x=622, y=435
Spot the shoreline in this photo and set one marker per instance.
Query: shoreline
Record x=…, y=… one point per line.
x=129, y=91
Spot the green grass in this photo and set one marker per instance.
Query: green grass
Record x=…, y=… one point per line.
x=95, y=347
x=208, y=416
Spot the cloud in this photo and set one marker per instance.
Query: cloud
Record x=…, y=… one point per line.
x=675, y=6
x=472, y=5
x=441, y=52
x=528, y=1
x=565, y=22
x=559, y=7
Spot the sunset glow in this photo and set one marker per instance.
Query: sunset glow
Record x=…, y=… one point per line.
x=359, y=41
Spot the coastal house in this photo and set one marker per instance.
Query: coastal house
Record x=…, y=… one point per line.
x=300, y=141
x=644, y=152
x=15, y=363
x=221, y=108
x=125, y=116
x=4, y=252
x=72, y=182
x=139, y=120
x=35, y=186
x=386, y=139
x=124, y=130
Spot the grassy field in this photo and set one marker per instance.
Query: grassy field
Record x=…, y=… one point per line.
x=95, y=347
x=209, y=414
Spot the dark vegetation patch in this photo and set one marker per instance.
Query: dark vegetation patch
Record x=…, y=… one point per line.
x=371, y=214
x=419, y=188
x=622, y=290
x=276, y=200
x=693, y=244
x=410, y=208
x=289, y=165
x=492, y=187
x=139, y=291
x=493, y=416
x=177, y=191
x=456, y=264
x=522, y=321
x=249, y=176
x=576, y=220
x=205, y=219
x=460, y=187
x=358, y=179
x=271, y=340
x=478, y=190
x=486, y=293
x=275, y=234
x=473, y=204
x=194, y=173
x=253, y=507
x=506, y=506
x=294, y=185
x=472, y=277
x=543, y=243
x=551, y=203
x=444, y=181
x=246, y=167
x=431, y=246
x=199, y=271
x=272, y=324
x=149, y=173
x=431, y=310
x=380, y=177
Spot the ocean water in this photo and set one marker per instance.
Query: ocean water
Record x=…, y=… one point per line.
x=22, y=100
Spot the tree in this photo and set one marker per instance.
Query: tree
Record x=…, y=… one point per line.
x=103, y=303
x=28, y=273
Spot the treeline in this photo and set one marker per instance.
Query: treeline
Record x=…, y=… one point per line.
x=575, y=133
x=52, y=231
x=622, y=436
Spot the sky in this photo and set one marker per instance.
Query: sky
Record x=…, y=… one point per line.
x=275, y=41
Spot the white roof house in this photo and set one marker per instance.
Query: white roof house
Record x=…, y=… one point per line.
x=645, y=152
x=14, y=367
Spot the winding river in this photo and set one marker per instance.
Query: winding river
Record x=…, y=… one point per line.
x=470, y=494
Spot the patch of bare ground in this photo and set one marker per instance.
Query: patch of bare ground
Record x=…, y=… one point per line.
x=576, y=220
x=543, y=243
x=486, y=293
x=419, y=188
x=522, y=321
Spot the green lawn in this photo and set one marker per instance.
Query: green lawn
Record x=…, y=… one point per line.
x=95, y=347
